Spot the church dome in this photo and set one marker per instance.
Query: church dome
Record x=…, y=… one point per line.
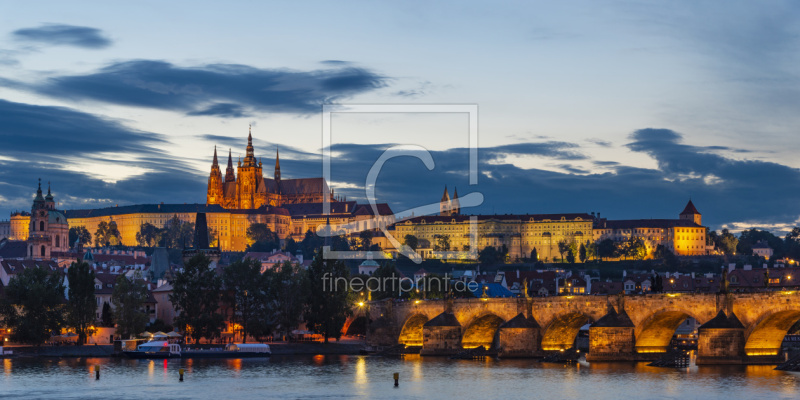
x=56, y=217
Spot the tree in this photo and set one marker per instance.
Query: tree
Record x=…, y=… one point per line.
x=606, y=248
x=106, y=316
x=291, y=246
x=107, y=234
x=81, y=303
x=563, y=248
x=572, y=253
x=792, y=244
x=286, y=296
x=582, y=253
x=411, y=241
x=261, y=238
x=177, y=234
x=149, y=235
x=365, y=240
x=245, y=292
x=128, y=299
x=442, y=244
x=634, y=248
x=196, y=295
x=327, y=307
x=488, y=256
x=77, y=233
x=391, y=282
x=534, y=255
x=311, y=244
x=34, y=305
x=591, y=250
x=727, y=242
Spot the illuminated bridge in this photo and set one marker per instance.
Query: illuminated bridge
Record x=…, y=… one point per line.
x=735, y=328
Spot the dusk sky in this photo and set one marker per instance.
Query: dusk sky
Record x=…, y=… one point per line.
x=625, y=108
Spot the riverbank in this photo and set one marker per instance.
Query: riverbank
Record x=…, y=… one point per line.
x=280, y=348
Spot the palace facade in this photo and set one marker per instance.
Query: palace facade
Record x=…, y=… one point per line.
x=520, y=234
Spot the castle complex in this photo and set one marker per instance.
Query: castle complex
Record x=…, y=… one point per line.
x=293, y=207
x=289, y=207
x=248, y=189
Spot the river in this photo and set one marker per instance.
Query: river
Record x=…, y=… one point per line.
x=329, y=377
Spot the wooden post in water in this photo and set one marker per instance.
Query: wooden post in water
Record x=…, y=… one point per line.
x=396, y=379
x=97, y=372
x=180, y=371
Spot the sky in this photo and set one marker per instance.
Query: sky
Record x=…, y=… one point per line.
x=625, y=108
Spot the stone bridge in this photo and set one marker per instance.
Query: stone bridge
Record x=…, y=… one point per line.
x=736, y=328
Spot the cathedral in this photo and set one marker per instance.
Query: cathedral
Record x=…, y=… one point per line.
x=248, y=189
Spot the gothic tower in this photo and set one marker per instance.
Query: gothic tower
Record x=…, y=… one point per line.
x=690, y=213
x=249, y=179
x=215, y=194
x=277, y=171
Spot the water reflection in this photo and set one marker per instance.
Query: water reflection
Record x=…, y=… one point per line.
x=371, y=377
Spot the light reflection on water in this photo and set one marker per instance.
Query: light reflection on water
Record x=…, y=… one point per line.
x=335, y=376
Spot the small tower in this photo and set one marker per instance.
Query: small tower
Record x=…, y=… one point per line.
x=445, y=205
x=215, y=194
x=690, y=213
x=455, y=205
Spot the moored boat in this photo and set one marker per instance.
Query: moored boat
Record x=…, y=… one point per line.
x=233, y=350
x=155, y=349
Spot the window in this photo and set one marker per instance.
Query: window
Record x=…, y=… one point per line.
x=41, y=225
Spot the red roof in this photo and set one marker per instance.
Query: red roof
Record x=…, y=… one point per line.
x=690, y=209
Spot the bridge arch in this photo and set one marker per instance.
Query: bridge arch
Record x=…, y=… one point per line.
x=655, y=332
x=481, y=331
x=411, y=334
x=562, y=330
x=765, y=336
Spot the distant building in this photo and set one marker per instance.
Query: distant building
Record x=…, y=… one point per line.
x=684, y=236
x=762, y=249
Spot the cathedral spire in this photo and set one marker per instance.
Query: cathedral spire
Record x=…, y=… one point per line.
x=445, y=196
x=277, y=165
x=215, y=157
x=230, y=176
x=250, y=158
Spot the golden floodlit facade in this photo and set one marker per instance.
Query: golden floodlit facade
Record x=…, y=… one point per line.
x=289, y=207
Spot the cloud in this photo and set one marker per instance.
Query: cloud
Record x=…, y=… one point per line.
x=57, y=144
x=725, y=190
x=227, y=90
x=600, y=142
x=64, y=35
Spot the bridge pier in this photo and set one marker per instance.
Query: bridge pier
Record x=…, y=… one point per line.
x=441, y=336
x=611, y=338
x=721, y=340
x=518, y=338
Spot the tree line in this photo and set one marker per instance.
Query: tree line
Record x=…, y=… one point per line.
x=258, y=303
